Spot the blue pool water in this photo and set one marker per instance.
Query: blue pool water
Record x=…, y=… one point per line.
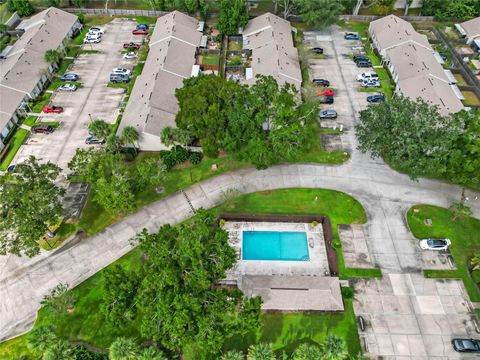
x=275, y=245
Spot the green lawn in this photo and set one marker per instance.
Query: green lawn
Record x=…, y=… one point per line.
x=17, y=140
x=210, y=59
x=285, y=331
x=464, y=234
x=4, y=13
x=470, y=99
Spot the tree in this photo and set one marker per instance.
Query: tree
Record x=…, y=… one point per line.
x=79, y=3
x=287, y=6
x=60, y=350
x=232, y=14
x=99, y=128
x=261, y=351
x=3, y=28
x=30, y=202
x=320, y=13
x=411, y=135
x=130, y=136
x=233, y=355
x=446, y=9
x=333, y=348
x=23, y=7
x=114, y=143
x=459, y=209
x=59, y=299
x=178, y=303
x=115, y=193
x=307, y=352
x=150, y=172
x=40, y=338
x=119, y=290
x=123, y=349
x=151, y=353
x=170, y=136
x=54, y=3
x=52, y=56
x=81, y=18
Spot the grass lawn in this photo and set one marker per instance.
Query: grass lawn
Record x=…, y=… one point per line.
x=470, y=99
x=17, y=140
x=285, y=331
x=4, y=13
x=464, y=234
x=40, y=102
x=210, y=59
x=460, y=79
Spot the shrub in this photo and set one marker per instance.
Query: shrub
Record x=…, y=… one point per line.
x=314, y=223
x=336, y=244
x=179, y=153
x=221, y=223
x=347, y=292
x=81, y=18
x=195, y=157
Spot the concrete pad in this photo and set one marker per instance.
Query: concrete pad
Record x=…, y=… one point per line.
x=429, y=305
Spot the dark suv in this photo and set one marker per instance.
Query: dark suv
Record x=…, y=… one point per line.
x=321, y=82
x=359, y=57
x=364, y=63
x=42, y=129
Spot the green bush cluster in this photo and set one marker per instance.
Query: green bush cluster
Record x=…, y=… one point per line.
x=178, y=155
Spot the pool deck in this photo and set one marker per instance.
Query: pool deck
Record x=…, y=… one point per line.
x=316, y=266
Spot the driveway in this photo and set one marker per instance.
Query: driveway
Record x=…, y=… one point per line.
x=93, y=97
x=385, y=194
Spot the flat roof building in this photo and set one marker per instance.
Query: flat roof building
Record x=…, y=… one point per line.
x=152, y=105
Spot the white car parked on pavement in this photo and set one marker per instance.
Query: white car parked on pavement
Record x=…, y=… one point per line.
x=130, y=55
x=367, y=76
x=122, y=71
x=435, y=244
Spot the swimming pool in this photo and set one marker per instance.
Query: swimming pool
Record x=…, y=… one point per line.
x=275, y=245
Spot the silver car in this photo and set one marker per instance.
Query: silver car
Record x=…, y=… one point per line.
x=327, y=114
x=67, y=87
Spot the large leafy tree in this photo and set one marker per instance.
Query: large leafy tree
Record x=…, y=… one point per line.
x=30, y=201
x=23, y=7
x=232, y=14
x=179, y=306
x=410, y=134
x=41, y=338
x=60, y=350
x=457, y=9
x=261, y=351
x=320, y=13
x=99, y=128
x=123, y=349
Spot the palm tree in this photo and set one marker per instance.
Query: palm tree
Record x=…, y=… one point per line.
x=130, y=136
x=151, y=353
x=261, y=351
x=123, y=349
x=41, y=338
x=233, y=355
x=475, y=262
x=52, y=56
x=307, y=352
x=99, y=128
x=59, y=351
x=333, y=348
x=114, y=143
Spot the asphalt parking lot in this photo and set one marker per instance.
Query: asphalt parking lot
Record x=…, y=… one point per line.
x=93, y=97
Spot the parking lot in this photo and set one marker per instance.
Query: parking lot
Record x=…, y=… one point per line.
x=93, y=100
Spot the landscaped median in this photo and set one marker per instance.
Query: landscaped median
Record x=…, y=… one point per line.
x=285, y=331
x=464, y=234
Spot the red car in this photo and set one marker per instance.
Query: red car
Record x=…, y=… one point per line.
x=42, y=129
x=140, y=31
x=131, y=45
x=325, y=92
x=52, y=109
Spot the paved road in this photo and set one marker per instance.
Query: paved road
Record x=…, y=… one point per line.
x=384, y=193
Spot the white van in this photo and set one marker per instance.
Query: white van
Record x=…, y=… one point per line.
x=367, y=76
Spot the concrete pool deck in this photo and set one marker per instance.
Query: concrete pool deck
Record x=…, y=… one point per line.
x=317, y=265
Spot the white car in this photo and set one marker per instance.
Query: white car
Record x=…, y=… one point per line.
x=122, y=71
x=68, y=87
x=90, y=40
x=130, y=55
x=94, y=34
x=435, y=244
x=367, y=76
x=97, y=29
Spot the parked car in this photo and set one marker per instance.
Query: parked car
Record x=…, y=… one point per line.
x=367, y=76
x=11, y=168
x=131, y=45
x=97, y=29
x=119, y=78
x=142, y=26
x=92, y=40
x=358, y=57
x=91, y=140
x=466, y=345
x=67, y=87
x=69, y=77
x=327, y=114
x=325, y=92
x=435, y=244
x=42, y=129
x=364, y=63
x=376, y=98
x=317, y=50
x=140, y=32
x=351, y=36
x=370, y=83
x=122, y=71
x=94, y=33
x=321, y=82
x=130, y=55
x=325, y=99
x=52, y=109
